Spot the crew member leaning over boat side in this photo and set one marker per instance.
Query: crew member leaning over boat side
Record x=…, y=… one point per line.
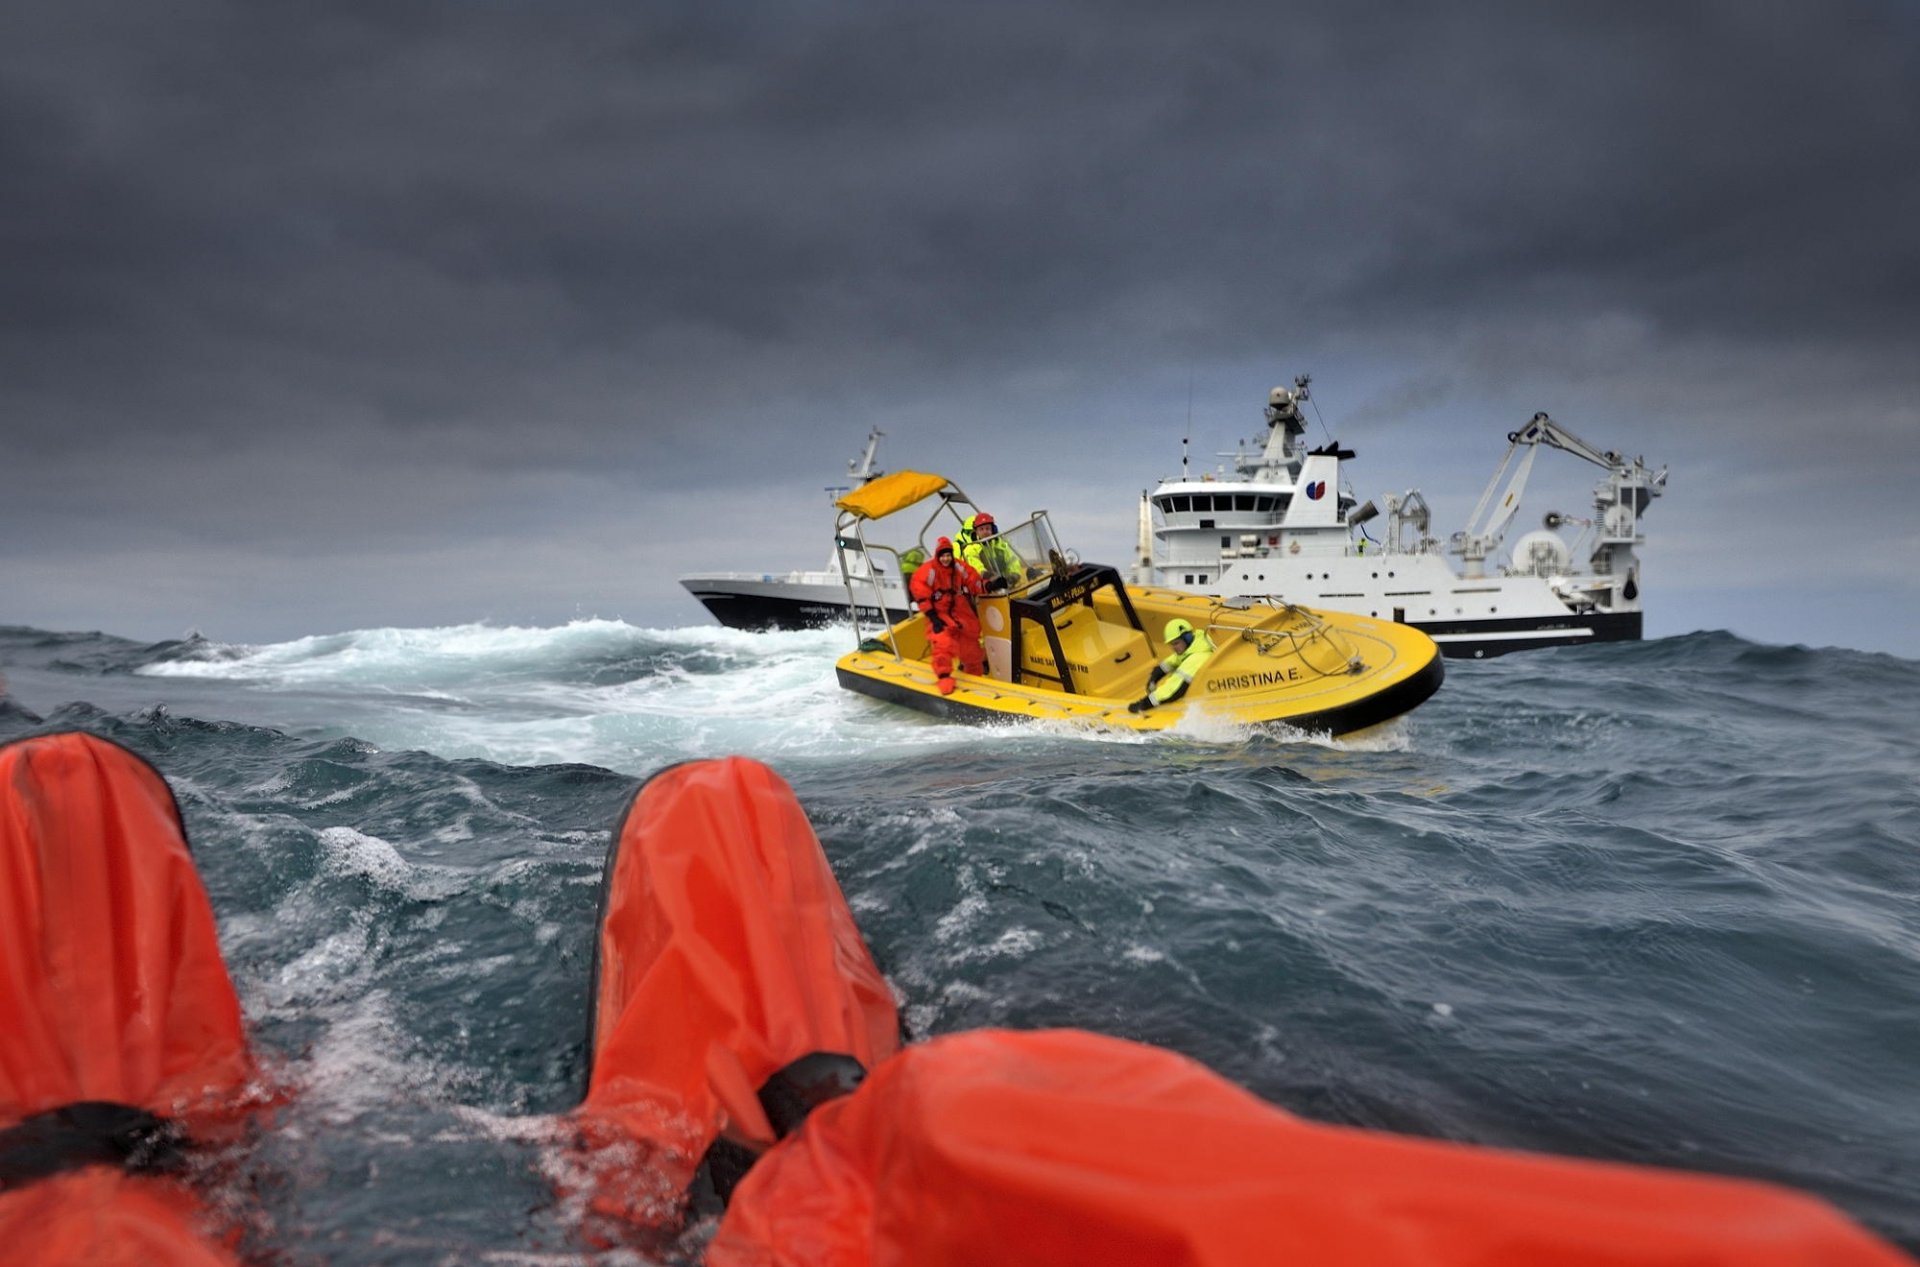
x=944, y=588
x=980, y=545
x=1188, y=652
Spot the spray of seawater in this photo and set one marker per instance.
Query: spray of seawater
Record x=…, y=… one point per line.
x=630, y=698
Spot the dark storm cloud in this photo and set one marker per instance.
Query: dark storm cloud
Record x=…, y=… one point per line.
x=423, y=212
x=371, y=268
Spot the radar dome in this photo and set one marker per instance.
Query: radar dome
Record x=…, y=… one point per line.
x=1541, y=554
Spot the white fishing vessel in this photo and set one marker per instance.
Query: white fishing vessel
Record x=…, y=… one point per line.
x=1280, y=524
x=808, y=599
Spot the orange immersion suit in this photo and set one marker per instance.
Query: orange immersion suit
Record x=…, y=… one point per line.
x=726, y=958
x=121, y=1041
x=946, y=593
x=1063, y=1147
x=1072, y=1149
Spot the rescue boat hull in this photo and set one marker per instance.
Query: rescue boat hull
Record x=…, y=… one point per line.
x=982, y=701
x=1319, y=672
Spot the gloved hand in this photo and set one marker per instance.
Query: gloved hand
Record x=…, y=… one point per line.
x=1141, y=705
x=936, y=624
x=995, y=584
x=1155, y=675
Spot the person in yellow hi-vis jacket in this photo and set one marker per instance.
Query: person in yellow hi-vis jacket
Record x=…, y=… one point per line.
x=980, y=545
x=1188, y=651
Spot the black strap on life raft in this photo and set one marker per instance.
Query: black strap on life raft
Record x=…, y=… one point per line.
x=88, y=1133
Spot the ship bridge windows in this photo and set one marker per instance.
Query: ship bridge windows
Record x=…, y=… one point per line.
x=1219, y=503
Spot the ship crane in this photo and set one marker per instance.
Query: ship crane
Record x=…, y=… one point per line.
x=1619, y=498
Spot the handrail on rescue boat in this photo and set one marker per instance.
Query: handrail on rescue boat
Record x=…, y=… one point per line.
x=1034, y=600
x=877, y=499
x=902, y=490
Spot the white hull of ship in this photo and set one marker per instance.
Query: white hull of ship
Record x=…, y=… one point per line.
x=1469, y=618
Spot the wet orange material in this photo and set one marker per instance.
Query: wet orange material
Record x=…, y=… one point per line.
x=111, y=989
x=1065, y=1147
x=102, y=1218
x=726, y=953
x=114, y=988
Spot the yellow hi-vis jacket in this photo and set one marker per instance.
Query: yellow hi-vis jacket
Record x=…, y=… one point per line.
x=992, y=559
x=1181, y=668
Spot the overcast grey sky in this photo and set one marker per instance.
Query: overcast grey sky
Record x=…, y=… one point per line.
x=325, y=317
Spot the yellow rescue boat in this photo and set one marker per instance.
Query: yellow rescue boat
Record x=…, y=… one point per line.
x=1071, y=641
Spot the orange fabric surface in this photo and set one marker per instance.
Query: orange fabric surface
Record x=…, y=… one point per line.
x=111, y=981
x=111, y=988
x=1065, y=1147
x=102, y=1218
x=726, y=953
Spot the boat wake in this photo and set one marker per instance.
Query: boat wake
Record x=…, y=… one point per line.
x=628, y=698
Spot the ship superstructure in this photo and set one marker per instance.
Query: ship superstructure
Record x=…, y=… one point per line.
x=1279, y=522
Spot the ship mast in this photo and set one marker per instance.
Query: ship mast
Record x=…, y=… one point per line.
x=861, y=468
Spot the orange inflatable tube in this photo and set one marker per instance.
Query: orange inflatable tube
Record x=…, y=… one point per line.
x=731, y=987
x=1064, y=1147
x=120, y=1033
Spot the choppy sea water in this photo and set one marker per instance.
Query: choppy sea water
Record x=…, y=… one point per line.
x=1646, y=902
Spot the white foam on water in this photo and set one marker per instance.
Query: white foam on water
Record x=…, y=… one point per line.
x=354, y=1071
x=1012, y=943
x=531, y=696
x=348, y=851
x=413, y=660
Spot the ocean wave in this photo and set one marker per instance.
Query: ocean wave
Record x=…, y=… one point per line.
x=1647, y=902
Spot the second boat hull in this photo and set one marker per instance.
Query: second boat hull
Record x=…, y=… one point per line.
x=775, y=602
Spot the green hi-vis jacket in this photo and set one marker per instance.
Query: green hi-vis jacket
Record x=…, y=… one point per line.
x=990, y=558
x=1182, y=667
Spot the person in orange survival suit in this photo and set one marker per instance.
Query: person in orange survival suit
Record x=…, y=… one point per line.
x=945, y=588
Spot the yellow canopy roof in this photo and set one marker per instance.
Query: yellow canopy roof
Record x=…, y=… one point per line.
x=883, y=496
